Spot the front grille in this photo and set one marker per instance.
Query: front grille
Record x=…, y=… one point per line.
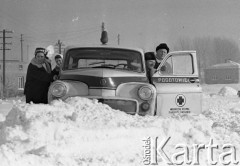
x=128, y=106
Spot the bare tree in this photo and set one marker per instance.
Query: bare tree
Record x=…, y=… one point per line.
x=226, y=49
x=183, y=43
x=210, y=51
x=201, y=45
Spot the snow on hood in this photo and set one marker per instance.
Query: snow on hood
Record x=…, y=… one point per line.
x=80, y=131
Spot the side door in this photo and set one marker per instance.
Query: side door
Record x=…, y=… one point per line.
x=177, y=84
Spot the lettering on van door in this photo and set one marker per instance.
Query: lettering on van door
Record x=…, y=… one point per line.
x=173, y=79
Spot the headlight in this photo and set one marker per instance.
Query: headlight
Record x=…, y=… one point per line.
x=145, y=93
x=59, y=89
x=145, y=106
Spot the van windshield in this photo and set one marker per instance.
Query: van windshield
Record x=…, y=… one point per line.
x=121, y=59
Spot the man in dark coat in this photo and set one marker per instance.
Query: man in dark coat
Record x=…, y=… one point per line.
x=161, y=51
x=150, y=61
x=38, y=78
x=57, y=69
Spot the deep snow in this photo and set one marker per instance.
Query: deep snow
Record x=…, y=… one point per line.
x=84, y=132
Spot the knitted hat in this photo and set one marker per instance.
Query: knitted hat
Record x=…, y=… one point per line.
x=162, y=46
x=57, y=56
x=42, y=50
x=149, y=56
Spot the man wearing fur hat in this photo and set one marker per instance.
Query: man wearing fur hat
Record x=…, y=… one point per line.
x=38, y=77
x=161, y=51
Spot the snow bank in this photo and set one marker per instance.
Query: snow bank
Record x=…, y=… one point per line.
x=227, y=91
x=2, y=118
x=84, y=132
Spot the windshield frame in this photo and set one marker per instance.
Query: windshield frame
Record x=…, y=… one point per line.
x=104, y=50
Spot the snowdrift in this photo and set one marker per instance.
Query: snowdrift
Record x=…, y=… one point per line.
x=80, y=131
x=227, y=91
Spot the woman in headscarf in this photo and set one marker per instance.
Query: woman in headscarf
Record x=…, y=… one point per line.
x=38, y=78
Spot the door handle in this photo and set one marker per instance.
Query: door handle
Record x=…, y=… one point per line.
x=194, y=80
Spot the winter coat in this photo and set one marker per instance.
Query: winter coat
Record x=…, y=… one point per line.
x=166, y=68
x=55, y=73
x=38, y=80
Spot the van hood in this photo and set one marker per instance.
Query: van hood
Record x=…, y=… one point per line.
x=103, y=78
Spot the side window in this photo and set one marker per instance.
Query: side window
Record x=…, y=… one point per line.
x=181, y=64
x=82, y=63
x=73, y=63
x=167, y=68
x=70, y=66
x=214, y=78
x=228, y=77
x=20, y=67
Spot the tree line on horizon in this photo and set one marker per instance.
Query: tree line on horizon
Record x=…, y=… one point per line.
x=210, y=50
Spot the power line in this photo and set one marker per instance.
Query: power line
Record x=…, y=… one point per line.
x=74, y=32
x=63, y=36
x=35, y=30
x=19, y=22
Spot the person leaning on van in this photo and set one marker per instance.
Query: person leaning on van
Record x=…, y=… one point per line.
x=150, y=61
x=161, y=51
x=56, y=71
x=38, y=78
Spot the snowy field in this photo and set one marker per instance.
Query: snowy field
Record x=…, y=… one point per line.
x=83, y=132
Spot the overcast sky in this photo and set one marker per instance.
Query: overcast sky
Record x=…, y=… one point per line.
x=141, y=23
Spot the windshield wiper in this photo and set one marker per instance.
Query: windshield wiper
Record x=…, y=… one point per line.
x=105, y=66
x=94, y=63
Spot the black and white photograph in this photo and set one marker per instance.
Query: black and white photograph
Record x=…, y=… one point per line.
x=119, y=82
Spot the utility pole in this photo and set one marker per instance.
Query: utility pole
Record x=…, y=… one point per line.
x=59, y=44
x=118, y=39
x=4, y=49
x=21, y=40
